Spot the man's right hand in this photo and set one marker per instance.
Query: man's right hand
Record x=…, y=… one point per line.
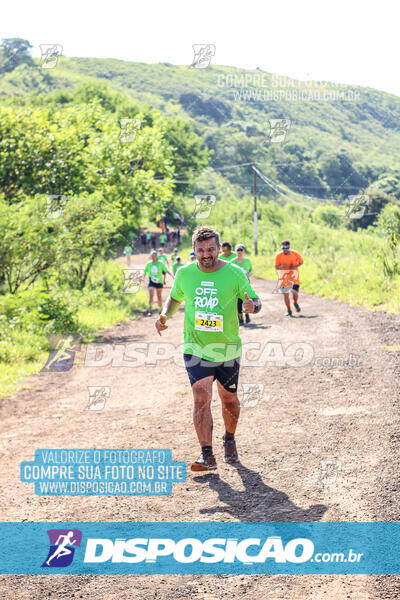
x=160, y=324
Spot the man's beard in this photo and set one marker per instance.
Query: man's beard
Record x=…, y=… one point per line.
x=209, y=264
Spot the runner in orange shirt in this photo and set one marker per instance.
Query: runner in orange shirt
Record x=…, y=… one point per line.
x=289, y=260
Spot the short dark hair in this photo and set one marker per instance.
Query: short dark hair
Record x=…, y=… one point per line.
x=227, y=245
x=202, y=232
x=285, y=243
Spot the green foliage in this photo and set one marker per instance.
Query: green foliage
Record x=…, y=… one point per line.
x=14, y=52
x=388, y=225
x=377, y=200
x=27, y=246
x=333, y=148
x=329, y=214
x=58, y=314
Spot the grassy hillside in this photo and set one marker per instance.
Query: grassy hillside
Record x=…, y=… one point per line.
x=342, y=139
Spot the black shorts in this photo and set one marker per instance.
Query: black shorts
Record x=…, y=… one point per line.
x=156, y=285
x=296, y=287
x=227, y=373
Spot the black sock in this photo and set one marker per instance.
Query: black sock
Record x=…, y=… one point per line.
x=206, y=449
x=229, y=436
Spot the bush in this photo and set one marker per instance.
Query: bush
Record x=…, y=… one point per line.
x=57, y=316
x=328, y=214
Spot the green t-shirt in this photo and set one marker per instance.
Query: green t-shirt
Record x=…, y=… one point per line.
x=211, y=329
x=232, y=256
x=148, y=235
x=155, y=271
x=163, y=258
x=177, y=266
x=128, y=250
x=246, y=265
x=163, y=237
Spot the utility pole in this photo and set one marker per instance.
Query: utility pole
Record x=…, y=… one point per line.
x=255, y=211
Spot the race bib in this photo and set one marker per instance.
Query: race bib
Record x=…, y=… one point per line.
x=154, y=279
x=208, y=321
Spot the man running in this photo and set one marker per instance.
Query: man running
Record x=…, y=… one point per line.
x=128, y=253
x=245, y=264
x=212, y=345
x=177, y=265
x=164, y=258
x=155, y=269
x=163, y=239
x=227, y=253
x=174, y=254
x=192, y=256
x=289, y=260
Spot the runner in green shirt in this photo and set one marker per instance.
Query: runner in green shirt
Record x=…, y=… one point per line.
x=128, y=253
x=174, y=255
x=245, y=264
x=227, y=253
x=212, y=346
x=155, y=270
x=164, y=258
x=177, y=265
x=163, y=239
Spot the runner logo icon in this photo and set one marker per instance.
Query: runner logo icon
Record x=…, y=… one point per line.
x=61, y=551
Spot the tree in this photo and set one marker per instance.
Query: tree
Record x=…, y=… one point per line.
x=27, y=245
x=14, y=52
x=188, y=156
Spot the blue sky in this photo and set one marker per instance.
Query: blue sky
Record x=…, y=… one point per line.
x=352, y=42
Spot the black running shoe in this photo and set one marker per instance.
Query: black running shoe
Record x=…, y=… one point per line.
x=247, y=318
x=205, y=462
x=297, y=307
x=289, y=313
x=231, y=455
x=241, y=322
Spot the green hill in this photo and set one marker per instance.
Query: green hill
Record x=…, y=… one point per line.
x=341, y=139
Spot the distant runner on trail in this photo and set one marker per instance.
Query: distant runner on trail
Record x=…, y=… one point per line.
x=212, y=345
x=163, y=239
x=227, y=253
x=155, y=269
x=289, y=260
x=164, y=258
x=192, y=256
x=177, y=265
x=245, y=264
x=128, y=253
x=174, y=254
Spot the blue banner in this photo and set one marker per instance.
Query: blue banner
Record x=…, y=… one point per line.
x=250, y=548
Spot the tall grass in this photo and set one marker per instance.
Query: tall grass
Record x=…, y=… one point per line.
x=27, y=319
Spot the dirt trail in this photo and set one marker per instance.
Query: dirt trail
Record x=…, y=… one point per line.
x=326, y=410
